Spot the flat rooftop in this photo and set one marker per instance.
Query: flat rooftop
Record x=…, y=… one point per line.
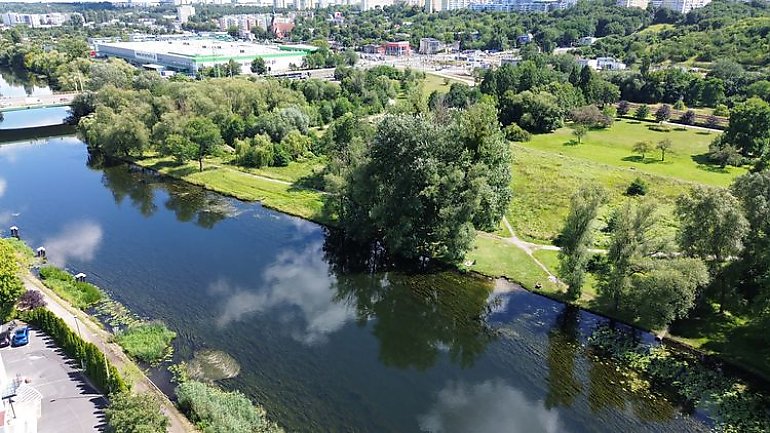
x=205, y=49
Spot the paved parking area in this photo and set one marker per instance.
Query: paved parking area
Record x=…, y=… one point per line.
x=69, y=403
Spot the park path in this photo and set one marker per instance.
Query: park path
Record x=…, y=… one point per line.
x=90, y=331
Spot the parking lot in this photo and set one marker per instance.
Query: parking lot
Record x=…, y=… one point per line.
x=69, y=403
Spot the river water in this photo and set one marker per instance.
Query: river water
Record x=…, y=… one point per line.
x=322, y=344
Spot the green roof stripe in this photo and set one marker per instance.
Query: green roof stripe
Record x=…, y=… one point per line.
x=214, y=58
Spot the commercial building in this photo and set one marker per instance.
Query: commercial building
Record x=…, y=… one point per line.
x=684, y=6
x=430, y=46
x=192, y=55
x=183, y=13
x=400, y=48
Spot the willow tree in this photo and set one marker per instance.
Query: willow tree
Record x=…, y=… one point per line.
x=576, y=238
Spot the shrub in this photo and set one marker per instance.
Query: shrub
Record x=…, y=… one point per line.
x=610, y=112
x=514, y=132
x=638, y=187
x=31, y=299
x=623, y=108
x=281, y=155
x=147, y=342
x=129, y=413
x=101, y=372
x=642, y=112
x=679, y=105
x=217, y=411
x=663, y=113
x=712, y=122
x=688, y=118
x=721, y=110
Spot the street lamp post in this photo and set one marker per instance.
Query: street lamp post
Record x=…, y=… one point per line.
x=77, y=325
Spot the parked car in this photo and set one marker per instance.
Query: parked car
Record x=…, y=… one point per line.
x=5, y=339
x=20, y=337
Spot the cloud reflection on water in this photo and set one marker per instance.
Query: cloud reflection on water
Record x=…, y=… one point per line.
x=488, y=407
x=298, y=284
x=77, y=241
x=3, y=186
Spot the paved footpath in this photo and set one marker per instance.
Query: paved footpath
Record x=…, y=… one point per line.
x=79, y=321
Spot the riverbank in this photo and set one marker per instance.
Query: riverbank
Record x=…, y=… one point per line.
x=90, y=331
x=492, y=255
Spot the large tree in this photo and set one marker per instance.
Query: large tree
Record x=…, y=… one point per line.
x=630, y=241
x=662, y=290
x=423, y=189
x=11, y=287
x=749, y=129
x=576, y=238
x=205, y=137
x=711, y=227
x=753, y=191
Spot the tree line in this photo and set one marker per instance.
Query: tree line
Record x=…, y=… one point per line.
x=719, y=253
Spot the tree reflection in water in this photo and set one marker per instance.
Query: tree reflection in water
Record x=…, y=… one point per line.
x=563, y=348
x=418, y=315
x=188, y=202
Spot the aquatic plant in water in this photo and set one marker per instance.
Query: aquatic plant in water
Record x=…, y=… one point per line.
x=736, y=408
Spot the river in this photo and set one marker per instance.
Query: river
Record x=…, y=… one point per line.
x=322, y=344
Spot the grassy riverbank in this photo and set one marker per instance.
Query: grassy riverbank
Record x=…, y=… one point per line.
x=279, y=190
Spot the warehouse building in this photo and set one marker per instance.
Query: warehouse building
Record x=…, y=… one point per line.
x=191, y=55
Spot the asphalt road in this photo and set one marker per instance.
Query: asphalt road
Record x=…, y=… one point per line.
x=69, y=403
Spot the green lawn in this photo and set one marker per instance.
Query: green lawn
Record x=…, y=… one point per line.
x=549, y=169
x=302, y=202
x=686, y=160
x=543, y=183
x=432, y=83
x=299, y=172
x=497, y=258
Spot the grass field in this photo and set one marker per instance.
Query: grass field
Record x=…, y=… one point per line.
x=433, y=83
x=548, y=170
x=497, y=258
x=686, y=160
x=291, y=199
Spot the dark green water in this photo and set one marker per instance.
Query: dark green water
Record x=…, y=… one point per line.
x=324, y=346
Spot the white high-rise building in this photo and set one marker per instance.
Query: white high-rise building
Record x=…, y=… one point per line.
x=183, y=13
x=684, y=6
x=450, y=5
x=641, y=4
x=372, y=4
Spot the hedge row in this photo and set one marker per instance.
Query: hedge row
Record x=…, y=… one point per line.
x=101, y=372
